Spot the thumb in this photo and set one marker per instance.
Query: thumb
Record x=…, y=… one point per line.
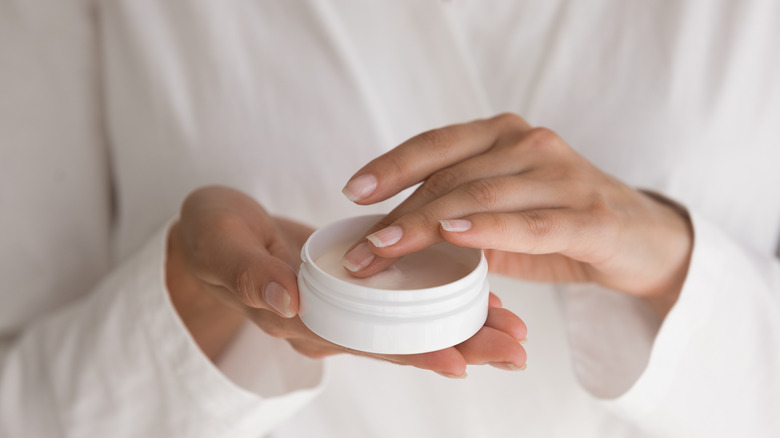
x=237, y=261
x=262, y=281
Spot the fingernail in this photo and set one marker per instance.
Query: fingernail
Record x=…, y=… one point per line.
x=507, y=366
x=456, y=225
x=357, y=259
x=386, y=237
x=278, y=298
x=523, y=341
x=452, y=376
x=360, y=187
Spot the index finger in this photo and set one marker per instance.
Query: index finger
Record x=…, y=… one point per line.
x=417, y=158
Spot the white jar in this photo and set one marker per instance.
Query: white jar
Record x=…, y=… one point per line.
x=356, y=314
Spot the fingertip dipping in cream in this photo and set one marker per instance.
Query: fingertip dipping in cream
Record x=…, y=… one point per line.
x=358, y=258
x=386, y=236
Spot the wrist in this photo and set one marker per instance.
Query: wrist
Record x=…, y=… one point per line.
x=677, y=254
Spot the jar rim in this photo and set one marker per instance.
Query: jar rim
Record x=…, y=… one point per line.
x=380, y=301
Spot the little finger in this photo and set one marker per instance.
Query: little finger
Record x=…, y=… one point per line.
x=490, y=346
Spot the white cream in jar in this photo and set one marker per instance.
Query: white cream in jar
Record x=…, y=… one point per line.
x=430, y=267
x=427, y=301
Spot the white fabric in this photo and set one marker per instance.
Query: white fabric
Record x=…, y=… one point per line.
x=113, y=111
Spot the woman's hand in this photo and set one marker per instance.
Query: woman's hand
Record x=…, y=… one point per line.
x=541, y=211
x=228, y=260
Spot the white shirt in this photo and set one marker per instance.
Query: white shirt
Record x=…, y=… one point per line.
x=111, y=112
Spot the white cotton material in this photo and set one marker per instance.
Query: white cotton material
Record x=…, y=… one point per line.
x=111, y=112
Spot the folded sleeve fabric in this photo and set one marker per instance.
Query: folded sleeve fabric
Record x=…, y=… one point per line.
x=120, y=363
x=721, y=337
x=87, y=349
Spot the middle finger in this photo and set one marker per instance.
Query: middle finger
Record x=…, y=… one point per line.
x=420, y=228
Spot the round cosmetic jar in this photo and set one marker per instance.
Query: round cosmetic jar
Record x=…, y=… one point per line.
x=383, y=314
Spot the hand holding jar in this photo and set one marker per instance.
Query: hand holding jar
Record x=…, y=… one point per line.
x=229, y=261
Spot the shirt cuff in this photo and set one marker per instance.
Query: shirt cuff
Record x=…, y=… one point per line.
x=728, y=303
x=707, y=370
x=620, y=348
x=281, y=381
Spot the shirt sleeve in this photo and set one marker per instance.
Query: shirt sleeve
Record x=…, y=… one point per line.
x=119, y=362
x=711, y=369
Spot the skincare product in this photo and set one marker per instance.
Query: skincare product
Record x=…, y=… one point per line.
x=426, y=301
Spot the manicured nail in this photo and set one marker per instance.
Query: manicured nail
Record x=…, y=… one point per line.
x=452, y=376
x=386, y=236
x=360, y=187
x=456, y=225
x=278, y=298
x=357, y=259
x=507, y=366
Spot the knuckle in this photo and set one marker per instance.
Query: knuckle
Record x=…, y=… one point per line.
x=393, y=165
x=500, y=227
x=538, y=225
x=421, y=220
x=439, y=183
x=484, y=192
x=438, y=138
x=386, y=165
x=511, y=120
x=541, y=137
x=222, y=224
x=244, y=288
x=500, y=230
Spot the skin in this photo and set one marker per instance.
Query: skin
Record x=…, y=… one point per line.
x=540, y=210
x=226, y=249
